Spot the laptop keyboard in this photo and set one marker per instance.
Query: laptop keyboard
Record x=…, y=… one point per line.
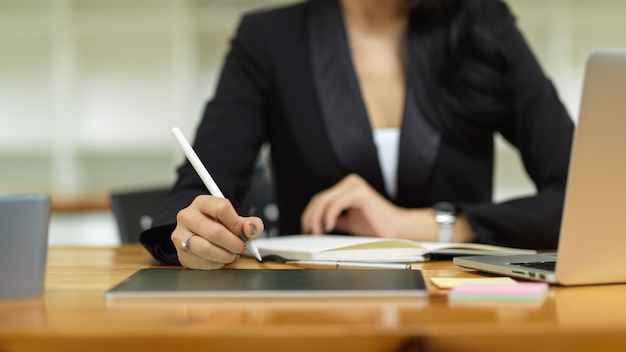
x=537, y=265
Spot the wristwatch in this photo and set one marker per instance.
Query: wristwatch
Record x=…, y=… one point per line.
x=445, y=217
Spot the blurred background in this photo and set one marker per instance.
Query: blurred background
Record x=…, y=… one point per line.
x=89, y=90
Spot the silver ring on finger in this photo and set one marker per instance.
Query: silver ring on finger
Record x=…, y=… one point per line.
x=185, y=243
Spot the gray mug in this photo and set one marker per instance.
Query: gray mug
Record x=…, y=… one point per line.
x=24, y=224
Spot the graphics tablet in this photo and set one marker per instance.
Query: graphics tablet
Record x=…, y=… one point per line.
x=230, y=283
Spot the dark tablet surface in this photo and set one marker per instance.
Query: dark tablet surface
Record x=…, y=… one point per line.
x=269, y=283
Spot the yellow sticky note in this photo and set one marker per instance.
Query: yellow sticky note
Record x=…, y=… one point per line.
x=450, y=282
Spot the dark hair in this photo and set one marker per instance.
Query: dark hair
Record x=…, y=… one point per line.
x=457, y=70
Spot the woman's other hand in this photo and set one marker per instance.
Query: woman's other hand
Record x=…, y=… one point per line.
x=353, y=206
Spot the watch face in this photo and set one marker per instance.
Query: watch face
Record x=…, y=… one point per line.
x=445, y=207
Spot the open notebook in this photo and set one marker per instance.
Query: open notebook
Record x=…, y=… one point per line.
x=368, y=249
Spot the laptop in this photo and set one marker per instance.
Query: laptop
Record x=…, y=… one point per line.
x=592, y=243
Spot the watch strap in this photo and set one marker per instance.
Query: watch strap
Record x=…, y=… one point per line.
x=445, y=217
x=444, y=234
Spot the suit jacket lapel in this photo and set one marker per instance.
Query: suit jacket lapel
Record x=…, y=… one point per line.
x=419, y=145
x=342, y=107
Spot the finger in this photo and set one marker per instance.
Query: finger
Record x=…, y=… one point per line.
x=225, y=214
x=200, y=247
x=334, y=211
x=317, y=217
x=321, y=203
x=195, y=262
x=222, y=210
x=252, y=227
x=327, y=207
x=197, y=219
x=243, y=227
x=351, y=223
x=313, y=213
x=199, y=252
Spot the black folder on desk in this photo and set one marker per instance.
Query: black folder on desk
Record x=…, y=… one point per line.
x=232, y=283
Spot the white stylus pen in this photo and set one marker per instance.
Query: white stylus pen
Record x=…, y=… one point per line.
x=207, y=179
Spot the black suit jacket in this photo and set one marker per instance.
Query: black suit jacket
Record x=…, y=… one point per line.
x=288, y=80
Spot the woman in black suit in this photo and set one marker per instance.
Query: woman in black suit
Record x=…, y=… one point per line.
x=375, y=112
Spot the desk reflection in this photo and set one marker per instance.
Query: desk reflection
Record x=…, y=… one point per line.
x=17, y=314
x=601, y=306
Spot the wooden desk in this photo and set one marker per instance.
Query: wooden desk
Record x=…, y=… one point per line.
x=73, y=315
